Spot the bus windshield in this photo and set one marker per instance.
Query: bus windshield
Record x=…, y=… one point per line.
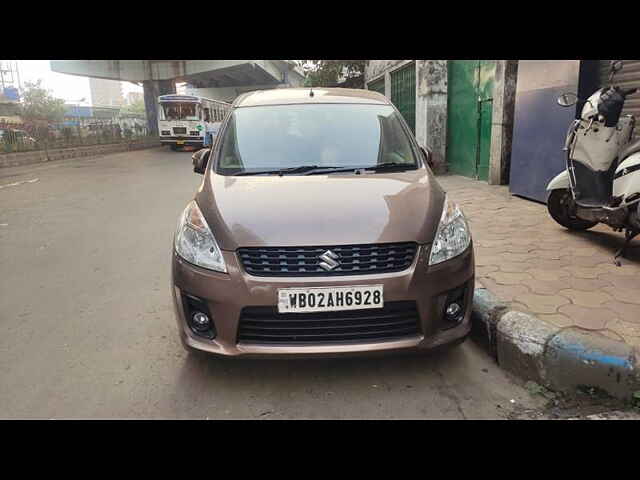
x=180, y=111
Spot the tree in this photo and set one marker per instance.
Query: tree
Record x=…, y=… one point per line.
x=39, y=104
x=332, y=73
x=137, y=107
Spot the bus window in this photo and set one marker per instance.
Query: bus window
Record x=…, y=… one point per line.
x=207, y=116
x=190, y=111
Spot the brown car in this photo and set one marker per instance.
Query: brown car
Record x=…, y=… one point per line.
x=319, y=229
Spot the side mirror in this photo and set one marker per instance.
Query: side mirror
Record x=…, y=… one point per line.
x=200, y=160
x=567, y=99
x=428, y=156
x=616, y=65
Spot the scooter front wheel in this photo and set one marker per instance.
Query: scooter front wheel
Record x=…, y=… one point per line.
x=561, y=208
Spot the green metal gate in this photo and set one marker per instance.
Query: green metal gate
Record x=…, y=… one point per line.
x=469, y=111
x=377, y=86
x=403, y=93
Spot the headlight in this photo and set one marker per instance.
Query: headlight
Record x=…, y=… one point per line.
x=452, y=236
x=194, y=241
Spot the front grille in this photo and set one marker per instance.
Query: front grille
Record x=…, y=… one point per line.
x=179, y=130
x=265, y=325
x=305, y=261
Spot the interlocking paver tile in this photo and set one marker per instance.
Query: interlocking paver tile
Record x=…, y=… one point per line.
x=586, y=299
x=542, y=303
x=544, y=287
x=549, y=254
x=548, y=274
x=507, y=278
x=547, y=264
x=622, y=281
x=582, y=272
x=482, y=270
x=504, y=292
x=593, y=261
x=557, y=319
x=624, y=294
x=488, y=259
x=587, y=317
x=629, y=312
x=587, y=284
x=513, y=267
x=629, y=331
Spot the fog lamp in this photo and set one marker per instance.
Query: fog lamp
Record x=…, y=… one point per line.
x=201, y=321
x=453, y=310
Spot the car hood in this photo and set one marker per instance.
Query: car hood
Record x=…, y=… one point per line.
x=310, y=210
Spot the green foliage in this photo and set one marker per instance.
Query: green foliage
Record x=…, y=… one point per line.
x=136, y=107
x=39, y=104
x=329, y=73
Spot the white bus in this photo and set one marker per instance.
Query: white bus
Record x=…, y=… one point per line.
x=185, y=120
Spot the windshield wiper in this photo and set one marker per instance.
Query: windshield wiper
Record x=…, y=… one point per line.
x=317, y=169
x=283, y=171
x=390, y=165
x=380, y=166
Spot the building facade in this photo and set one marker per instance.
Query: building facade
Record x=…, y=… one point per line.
x=495, y=120
x=418, y=89
x=106, y=92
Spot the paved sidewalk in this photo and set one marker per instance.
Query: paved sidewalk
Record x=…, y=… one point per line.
x=565, y=278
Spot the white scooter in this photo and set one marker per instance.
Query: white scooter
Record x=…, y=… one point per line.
x=601, y=183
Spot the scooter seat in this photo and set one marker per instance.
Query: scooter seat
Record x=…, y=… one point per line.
x=633, y=147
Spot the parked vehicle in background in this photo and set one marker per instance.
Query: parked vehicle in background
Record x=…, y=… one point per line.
x=184, y=120
x=319, y=229
x=601, y=183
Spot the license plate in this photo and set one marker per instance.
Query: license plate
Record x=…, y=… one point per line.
x=180, y=142
x=329, y=299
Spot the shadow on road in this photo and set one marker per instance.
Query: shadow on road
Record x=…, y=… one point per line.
x=611, y=241
x=202, y=371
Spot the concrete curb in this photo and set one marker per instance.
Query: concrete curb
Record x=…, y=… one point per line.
x=19, y=159
x=561, y=359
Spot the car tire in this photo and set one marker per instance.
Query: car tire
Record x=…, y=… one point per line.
x=559, y=204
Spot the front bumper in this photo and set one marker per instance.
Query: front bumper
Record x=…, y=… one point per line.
x=226, y=295
x=186, y=140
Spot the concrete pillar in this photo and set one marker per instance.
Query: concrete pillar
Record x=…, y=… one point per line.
x=152, y=90
x=504, y=101
x=431, y=109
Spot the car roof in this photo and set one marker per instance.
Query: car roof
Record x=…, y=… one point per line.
x=288, y=96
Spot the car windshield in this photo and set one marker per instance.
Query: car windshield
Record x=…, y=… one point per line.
x=277, y=137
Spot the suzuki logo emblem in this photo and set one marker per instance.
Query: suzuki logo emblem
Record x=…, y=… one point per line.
x=329, y=260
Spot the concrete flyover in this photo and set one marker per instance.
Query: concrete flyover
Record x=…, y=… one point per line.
x=216, y=79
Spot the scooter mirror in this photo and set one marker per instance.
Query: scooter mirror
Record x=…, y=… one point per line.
x=567, y=99
x=616, y=65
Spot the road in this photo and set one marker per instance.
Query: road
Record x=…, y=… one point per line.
x=87, y=327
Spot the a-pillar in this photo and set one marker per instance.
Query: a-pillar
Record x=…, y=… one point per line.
x=152, y=90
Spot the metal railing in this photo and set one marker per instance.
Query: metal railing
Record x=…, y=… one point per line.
x=14, y=139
